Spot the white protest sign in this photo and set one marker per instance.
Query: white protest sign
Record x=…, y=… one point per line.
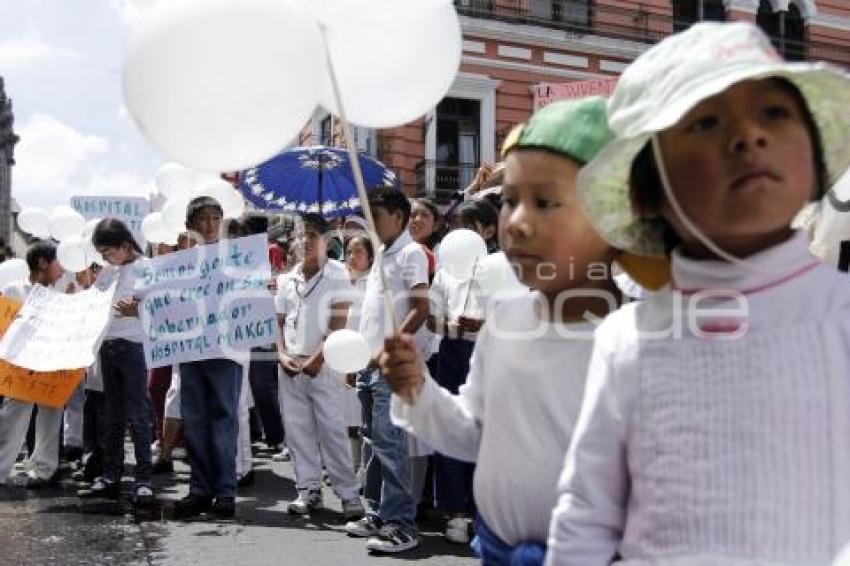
x=56, y=331
x=129, y=210
x=207, y=302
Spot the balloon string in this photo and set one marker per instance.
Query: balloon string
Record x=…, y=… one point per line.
x=377, y=245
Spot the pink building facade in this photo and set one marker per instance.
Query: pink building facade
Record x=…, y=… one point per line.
x=521, y=54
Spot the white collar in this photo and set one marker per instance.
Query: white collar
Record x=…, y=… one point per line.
x=773, y=267
x=403, y=239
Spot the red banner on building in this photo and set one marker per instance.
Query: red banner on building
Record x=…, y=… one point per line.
x=547, y=93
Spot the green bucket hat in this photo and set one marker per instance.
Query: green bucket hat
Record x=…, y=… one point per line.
x=575, y=128
x=670, y=79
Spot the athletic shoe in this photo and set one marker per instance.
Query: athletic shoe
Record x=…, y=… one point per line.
x=365, y=527
x=282, y=456
x=392, y=539
x=143, y=496
x=457, y=530
x=306, y=502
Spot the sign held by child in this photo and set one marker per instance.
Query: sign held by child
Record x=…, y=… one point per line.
x=207, y=302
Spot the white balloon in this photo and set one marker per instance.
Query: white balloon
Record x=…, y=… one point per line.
x=65, y=222
x=843, y=558
x=394, y=69
x=174, y=214
x=72, y=255
x=222, y=85
x=13, y=270
x=35, y=221
x=174, y=180
x=346, y=351
x=497, y=278
x=342, y=13
x=231, y=201
x=459, y=252
x=153, y=228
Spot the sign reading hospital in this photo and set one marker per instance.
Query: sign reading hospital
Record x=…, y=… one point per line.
x=129, y=210
x=547, y=93
x=207, y=302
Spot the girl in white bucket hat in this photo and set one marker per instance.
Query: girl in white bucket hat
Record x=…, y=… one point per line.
x=715, y=427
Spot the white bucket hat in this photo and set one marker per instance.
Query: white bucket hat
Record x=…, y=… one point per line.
x=672, y=77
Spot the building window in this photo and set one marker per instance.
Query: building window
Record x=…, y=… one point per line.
x=688, y=12
x=326, y=136
x=785, y=29
x=458, y=140
x=567, y=11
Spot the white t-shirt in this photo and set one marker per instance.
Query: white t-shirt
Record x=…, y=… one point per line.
x=514, y=415
x=124, y=327
x=359, y=287
x=405, y=266
x=452, y=298
x=307, y=304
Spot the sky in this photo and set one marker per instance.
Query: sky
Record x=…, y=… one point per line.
x=61, y=64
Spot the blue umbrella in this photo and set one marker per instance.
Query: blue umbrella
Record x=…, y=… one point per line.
x=312, y=179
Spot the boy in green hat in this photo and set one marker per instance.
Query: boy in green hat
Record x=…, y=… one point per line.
x=528, y=368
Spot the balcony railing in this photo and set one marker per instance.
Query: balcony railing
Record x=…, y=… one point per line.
x=633, y=24
x=439, y=181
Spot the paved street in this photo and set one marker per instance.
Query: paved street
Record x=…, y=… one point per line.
x=56, y=527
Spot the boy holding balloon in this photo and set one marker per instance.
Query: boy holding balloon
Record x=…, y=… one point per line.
x=529, y=364
x=312, y=300
x=390, y=525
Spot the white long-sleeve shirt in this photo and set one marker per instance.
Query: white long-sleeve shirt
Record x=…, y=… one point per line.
x=716, y=450
x=514, y=415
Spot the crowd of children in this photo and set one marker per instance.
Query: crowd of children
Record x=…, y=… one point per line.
x=707, y=423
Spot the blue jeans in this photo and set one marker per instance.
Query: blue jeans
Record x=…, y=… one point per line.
x=209, y=391
x=389, y=453
x=125, y=391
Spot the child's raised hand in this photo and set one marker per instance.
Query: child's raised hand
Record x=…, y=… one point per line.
x=402, y=367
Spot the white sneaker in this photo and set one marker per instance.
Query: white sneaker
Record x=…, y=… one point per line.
x=178, y=453
x=392, y=539
x=282, y=456
x=306, y=502
x=365, y=527
x=352, y=508
x=457, y=530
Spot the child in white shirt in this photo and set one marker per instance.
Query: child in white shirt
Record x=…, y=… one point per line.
x=515, y=414
x=715, y=427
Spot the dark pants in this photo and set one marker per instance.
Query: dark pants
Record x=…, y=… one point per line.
x=125, y=390
x=210, y=405
x=94, y=428
x=263, y=378
x=453, y=478
x=159, y=380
